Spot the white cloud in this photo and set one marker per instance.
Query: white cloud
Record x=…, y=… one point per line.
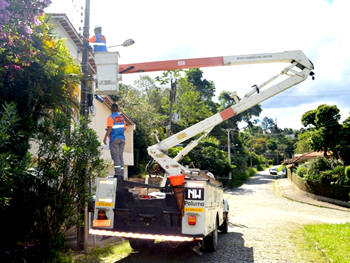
x=202, y=28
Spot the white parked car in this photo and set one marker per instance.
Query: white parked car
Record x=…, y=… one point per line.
x=273, y=171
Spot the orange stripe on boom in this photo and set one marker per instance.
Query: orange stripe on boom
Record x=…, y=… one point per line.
x=172, y=64
x=226, y=114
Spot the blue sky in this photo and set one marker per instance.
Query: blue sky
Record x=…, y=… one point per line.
x=203, y=28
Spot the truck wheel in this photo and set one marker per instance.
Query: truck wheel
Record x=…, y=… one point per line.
x=224, y=226
x=140, y=244
x=210, y=242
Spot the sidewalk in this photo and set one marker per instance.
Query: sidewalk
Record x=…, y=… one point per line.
x=94, y=241
x=290, y=191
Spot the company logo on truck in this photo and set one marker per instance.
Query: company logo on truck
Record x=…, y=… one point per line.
x=194, y=193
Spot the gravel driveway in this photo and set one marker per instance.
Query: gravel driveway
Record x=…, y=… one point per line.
x=261, y=223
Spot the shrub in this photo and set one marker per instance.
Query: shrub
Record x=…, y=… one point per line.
x=318, y=165
x=302, y=171
x=326, y=177
x=335, y=163
x=345, y=177
x=325, y=171
x=339, y=170
x=258, y=160
x=260, y=168
x=347, y=171
x=207, y=156
x=11, y=165
x=238, y=178
x=334, y=176
x=47, y=199
x=250, y=171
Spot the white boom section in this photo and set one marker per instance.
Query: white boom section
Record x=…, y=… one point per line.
x=297, y=72
x=190, y=146
x=286, y=56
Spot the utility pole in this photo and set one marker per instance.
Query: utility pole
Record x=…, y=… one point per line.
x=83, y=232
x=229, y=150
x=84, y=62
x=250, y=156
x=172, y=100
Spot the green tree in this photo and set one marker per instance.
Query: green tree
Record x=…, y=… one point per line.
x=343, y=146
x=269, y=125
x=287, y=145
x=140, y=106
x=226, y=100
x=303, y=144
x=325, y=127
x=151, y=93
x=254, y=130
x=259, y=145
x=38, y=74
x=308, y=118
x=271, y=144
x=205, y=88
x=189, y=105
x=208, y=156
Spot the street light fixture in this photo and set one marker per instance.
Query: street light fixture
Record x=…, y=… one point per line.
x=126, y=43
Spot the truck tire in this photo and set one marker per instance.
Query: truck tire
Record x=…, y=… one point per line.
x=140, y=244
x=224, y=227
x=210, y=242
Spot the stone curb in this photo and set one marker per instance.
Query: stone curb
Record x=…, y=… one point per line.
x=290, y=191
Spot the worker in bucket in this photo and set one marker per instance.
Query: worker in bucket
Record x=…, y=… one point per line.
x=115, y=133
x=98, y=40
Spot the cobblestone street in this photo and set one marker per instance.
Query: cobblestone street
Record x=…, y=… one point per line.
x=266, y=220
x=261, y=223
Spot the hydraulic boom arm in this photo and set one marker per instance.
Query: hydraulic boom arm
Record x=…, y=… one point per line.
x=299, y=69
x=287, y=56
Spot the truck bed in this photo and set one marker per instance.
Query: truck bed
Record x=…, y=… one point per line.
x=135, y=211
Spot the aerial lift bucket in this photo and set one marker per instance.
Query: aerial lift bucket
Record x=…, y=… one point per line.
x=178, y=184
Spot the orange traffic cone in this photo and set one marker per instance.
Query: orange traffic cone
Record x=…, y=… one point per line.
x=178, y=184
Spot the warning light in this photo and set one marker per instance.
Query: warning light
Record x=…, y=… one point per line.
x=144, y=197
x=101, y=214
x=192, y=220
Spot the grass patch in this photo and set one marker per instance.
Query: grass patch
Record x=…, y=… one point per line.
x=332, y=239
x=304, y=249
x=106, y=254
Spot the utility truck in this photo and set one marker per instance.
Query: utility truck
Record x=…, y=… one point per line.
x=186, y=205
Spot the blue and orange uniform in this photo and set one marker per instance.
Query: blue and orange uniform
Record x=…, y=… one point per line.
x=117, y=142
x=99, y=42
x=116, y=121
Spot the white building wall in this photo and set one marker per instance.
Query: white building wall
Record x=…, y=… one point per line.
x=62, y=33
